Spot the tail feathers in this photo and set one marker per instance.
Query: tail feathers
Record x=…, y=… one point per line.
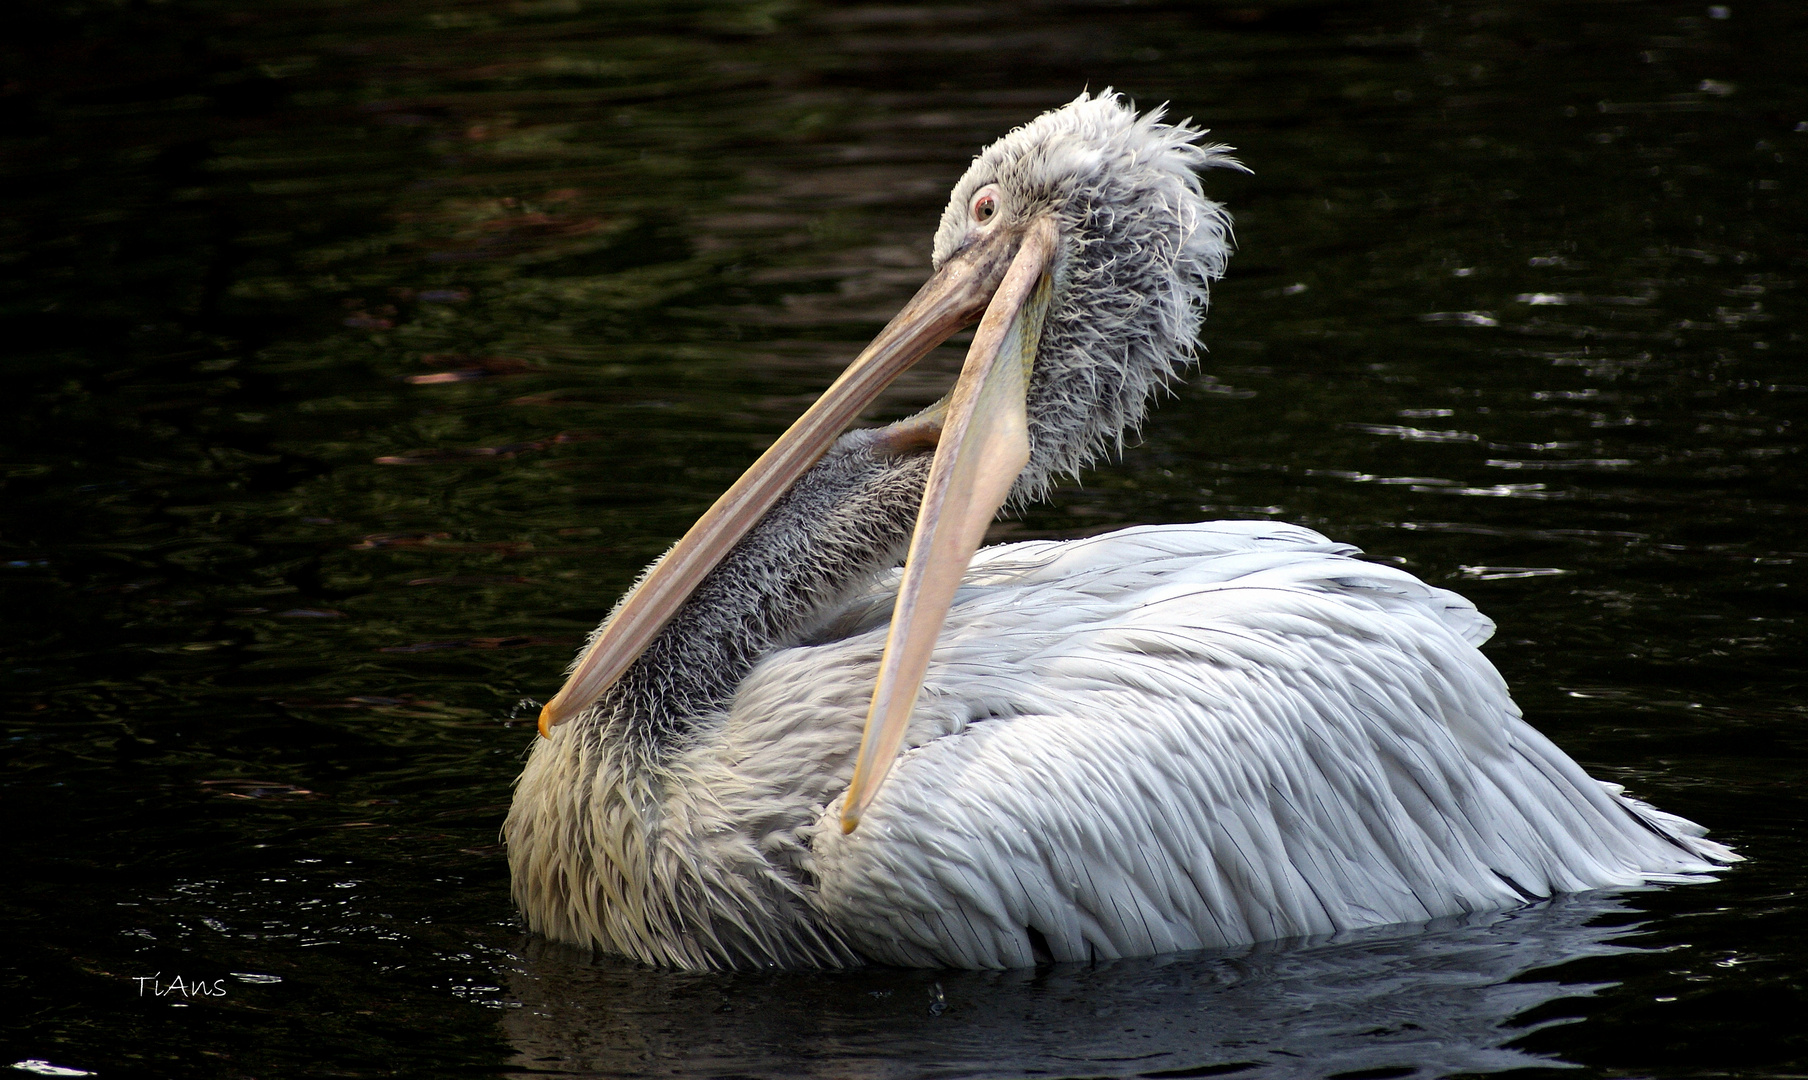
x=1680, y=831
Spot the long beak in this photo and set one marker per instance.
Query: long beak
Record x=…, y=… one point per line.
x=951, y=300
x=984, y=445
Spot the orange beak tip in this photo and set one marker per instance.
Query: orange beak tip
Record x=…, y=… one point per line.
x=546, y=722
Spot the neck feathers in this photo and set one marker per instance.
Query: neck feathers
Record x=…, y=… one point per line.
x=846, y=521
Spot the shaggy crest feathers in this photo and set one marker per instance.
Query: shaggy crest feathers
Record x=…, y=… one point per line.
x=1140, y=244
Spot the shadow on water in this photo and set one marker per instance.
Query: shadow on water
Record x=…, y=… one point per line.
x=1447, y=997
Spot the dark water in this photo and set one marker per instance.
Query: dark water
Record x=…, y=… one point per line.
x=356, y=356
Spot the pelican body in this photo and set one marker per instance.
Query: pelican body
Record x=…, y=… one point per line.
x=784, y=749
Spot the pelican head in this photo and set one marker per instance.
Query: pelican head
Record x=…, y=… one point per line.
x=1083, y=246
x=1137, y=246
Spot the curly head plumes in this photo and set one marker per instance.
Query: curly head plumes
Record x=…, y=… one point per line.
x=1140, y=244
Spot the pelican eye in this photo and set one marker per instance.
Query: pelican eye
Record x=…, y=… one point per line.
x=985, y=208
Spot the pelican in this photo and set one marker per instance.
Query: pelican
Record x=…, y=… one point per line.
x=780, y=749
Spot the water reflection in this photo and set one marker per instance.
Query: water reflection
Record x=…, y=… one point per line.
x=1447, y=997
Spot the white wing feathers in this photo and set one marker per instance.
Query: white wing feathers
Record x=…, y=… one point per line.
x=1184, y=736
